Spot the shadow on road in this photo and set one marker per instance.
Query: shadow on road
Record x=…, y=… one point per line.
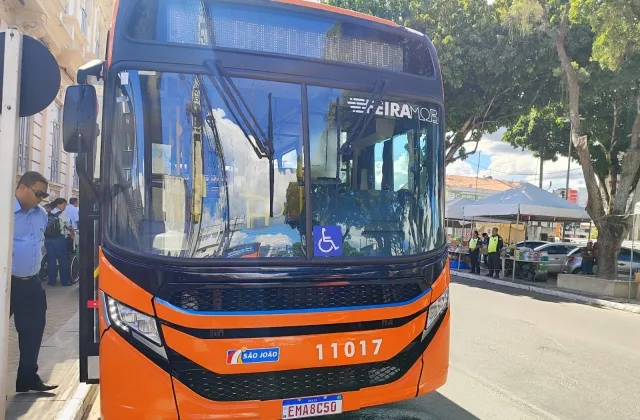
x=433, y=406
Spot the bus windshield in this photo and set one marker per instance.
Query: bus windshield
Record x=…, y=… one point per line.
x=187, y=181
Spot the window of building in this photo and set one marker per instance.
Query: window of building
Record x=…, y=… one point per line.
x=83, y=19
x=76, y=180
x=55, y=147
x=23, y=144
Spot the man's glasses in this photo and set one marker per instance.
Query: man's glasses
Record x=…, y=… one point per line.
x=39, y=194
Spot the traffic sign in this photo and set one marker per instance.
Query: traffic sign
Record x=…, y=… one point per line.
x=40, y=75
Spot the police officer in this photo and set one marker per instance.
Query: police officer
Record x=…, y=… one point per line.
x=474, y=252
x=493, y=253
x=28, y=299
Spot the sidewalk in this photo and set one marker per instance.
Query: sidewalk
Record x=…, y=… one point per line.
x=550, y=288
x=58, y=359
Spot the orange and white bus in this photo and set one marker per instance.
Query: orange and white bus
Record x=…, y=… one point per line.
x=266, y=211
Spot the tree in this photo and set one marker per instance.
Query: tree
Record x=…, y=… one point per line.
x=543, y=131
x=615, y=48
x=488, y=81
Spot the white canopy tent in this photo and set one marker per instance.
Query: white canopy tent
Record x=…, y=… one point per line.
x=454, y=208
x=526, y=202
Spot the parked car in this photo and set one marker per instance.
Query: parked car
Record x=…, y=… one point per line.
x=558, y=252
x=531, y=244
x=573, y=262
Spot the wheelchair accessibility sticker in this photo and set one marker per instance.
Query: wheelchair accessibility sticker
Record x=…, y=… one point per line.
x=327, y=241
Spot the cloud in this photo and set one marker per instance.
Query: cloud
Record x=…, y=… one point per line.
x=501, y=161
x=460, y=167
x=274, y=240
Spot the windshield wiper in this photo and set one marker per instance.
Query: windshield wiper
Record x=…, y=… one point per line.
x=369, y=112
x=231, y=93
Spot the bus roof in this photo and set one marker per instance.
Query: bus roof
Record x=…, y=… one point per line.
x=338, y=10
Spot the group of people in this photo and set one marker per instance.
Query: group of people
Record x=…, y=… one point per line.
x=493, y=244
x=59, y=238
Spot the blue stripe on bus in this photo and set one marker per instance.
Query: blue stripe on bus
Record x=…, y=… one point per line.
x=293, y=311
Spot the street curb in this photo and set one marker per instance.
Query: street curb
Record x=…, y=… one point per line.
x=79, y=403
x=558, y=293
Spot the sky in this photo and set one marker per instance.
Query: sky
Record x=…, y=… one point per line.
x=501, y=161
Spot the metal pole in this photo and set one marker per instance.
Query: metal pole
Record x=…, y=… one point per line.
x=461, y=241
x=633, y=240
x=513, y=272
x=9, y=120
x=477, y=175
x=566, y=190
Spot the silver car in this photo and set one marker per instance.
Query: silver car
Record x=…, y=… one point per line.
x=573, y=262
x=531, y=244
x=558, y=252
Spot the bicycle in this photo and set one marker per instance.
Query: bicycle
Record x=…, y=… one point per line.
x=74, y=264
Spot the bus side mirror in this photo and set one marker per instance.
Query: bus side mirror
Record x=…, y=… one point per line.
x=79, y=126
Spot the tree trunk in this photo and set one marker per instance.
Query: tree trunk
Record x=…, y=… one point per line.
x=541, y=170
x=611, y=232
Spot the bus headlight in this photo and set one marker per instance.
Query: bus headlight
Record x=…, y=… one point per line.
x=142, y=327
x=436, y=309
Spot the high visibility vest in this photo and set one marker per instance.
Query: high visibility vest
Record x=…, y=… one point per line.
x=493, y=244
x=473, y=244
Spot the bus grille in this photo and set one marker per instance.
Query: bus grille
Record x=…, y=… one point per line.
x=251, y=299
x=293, y=383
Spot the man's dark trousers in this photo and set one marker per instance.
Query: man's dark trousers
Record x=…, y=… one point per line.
x=29, y=308
x=494, y=264
x=58, y=257
x=475, y=261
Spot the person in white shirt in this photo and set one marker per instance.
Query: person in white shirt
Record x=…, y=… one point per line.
x=72, y=213
x=55, y=241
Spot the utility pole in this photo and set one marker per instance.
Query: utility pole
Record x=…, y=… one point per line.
x=9, y=120
x=16, y=50
x=566, y=190
x=541, y=168
x=477, y=175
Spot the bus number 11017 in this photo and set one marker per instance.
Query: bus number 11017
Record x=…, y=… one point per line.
x=349, y=348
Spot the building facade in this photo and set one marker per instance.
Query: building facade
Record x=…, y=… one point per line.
x=75, y=31
x=472, y=188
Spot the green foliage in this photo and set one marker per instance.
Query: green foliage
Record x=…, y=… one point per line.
x=489, y=80
x=543, y=131
x=616, y=24
x=609, y=104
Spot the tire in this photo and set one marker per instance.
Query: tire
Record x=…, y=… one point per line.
x=577, y=271
x=44, y=273
x=74, y=265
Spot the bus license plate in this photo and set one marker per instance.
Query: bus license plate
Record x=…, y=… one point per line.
x=299, y=408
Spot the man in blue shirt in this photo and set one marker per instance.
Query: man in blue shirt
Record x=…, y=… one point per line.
x=28, y=299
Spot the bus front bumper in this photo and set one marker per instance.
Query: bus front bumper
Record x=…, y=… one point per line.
x=134, y=387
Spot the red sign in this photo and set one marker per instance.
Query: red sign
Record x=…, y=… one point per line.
x=573, y=196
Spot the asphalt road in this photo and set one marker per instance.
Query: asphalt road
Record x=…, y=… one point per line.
x=518, y=355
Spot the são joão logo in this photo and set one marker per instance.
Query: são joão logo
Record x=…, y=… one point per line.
x=245, y=356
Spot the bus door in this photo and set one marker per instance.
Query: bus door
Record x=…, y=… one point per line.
x=89, y=332
x=82, y=112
